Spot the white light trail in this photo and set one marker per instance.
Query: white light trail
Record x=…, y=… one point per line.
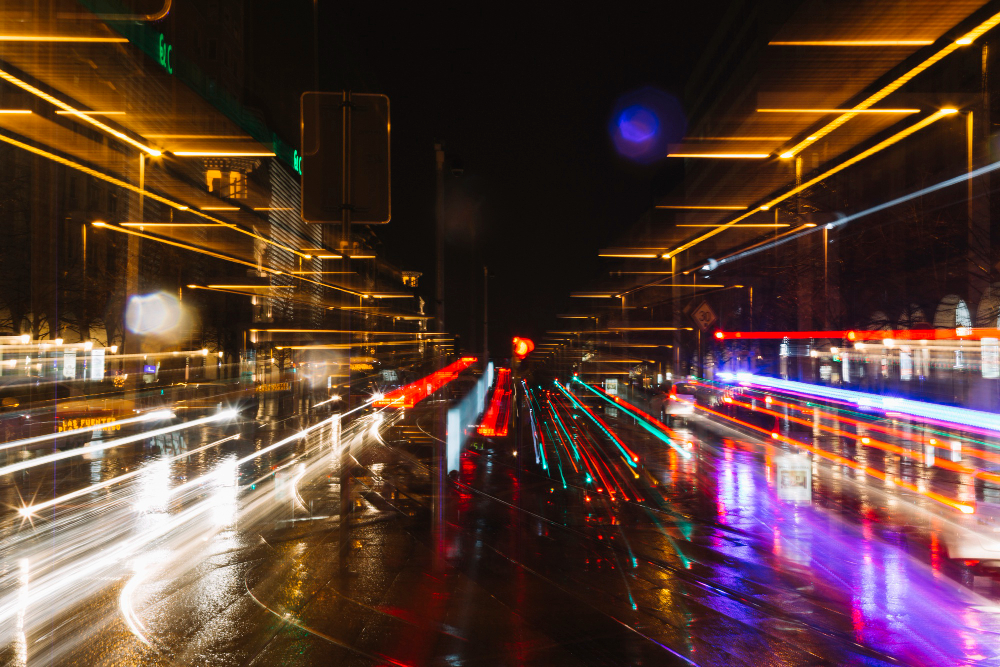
x=37, y=507
x=963, y=178
x=148, y=417
x=59, y=456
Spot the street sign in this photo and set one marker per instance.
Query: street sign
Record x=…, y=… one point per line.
x=363, y=119
x=794, y=478
x=703, y=316
x=611, y=386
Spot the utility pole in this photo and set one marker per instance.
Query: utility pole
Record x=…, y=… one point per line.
x=439, y=241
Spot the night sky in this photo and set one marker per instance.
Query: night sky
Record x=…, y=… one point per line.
x=521, y=99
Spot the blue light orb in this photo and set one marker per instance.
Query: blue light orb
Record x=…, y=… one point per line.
x=637, y=124
x=644, y=123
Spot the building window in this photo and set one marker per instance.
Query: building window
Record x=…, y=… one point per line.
x=213, y=178
x=237, y=185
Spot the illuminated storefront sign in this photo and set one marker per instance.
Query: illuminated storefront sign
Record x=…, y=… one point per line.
x=86, y=422
x=273, y=386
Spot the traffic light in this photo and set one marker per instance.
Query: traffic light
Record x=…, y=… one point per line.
x=522, y=347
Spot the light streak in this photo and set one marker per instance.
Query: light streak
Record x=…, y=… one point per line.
x=857, y=42
x=839, y=111
x=35, y=508
x=896, y=84
x=630, y=457
x=71, y=453
x=944, y=500
x=135, y=626
x=146, y=193
x=902, y=134
x=408, y=396
x=644, y=420
x=90, y=113
x=228, y=258
x=930, y=411
x=497, y=414
x=149, y=416
x=223, y=153
x=727, y=156
x=9, y=78
x=964, y=178
x=888, y=336
x=168, y=224
x=63, y=39
x=704, y=207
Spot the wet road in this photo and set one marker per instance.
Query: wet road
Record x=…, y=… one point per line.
x=550, y=547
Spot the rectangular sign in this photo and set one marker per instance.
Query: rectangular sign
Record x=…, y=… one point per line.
x=905, y=363
x=611, y=386
x=991, y=357
x=327, y=167
x=794, y=478
x=69, y=365
x=97, y=364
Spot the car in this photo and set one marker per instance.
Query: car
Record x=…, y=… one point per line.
x=676, y=402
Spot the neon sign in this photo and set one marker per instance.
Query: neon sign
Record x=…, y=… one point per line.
x=166, y=51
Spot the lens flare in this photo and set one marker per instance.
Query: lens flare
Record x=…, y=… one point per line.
x=644, y=123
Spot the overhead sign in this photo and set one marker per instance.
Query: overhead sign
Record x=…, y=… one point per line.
x=611, y=386
x=703, y=316
x=351, y=175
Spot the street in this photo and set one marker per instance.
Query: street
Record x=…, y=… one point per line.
x=205, y=556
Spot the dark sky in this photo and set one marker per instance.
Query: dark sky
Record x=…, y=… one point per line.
x=521, y=96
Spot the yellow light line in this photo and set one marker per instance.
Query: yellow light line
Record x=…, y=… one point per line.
x=185, y=246
x=220, y=208
x=591, y=295
x=91, y=113
x=695, y=207
x=65, y=107
x=839, y=111
x=61, y=38
x=938, y=115
x=169, y=224
x=730, y=156
x=736, y=138
x=896, y=84
x=651, y=328
x=223, y=154
x=235, y=137
x=211, y=253
x=15, y=111
x=746, y=224
x=340, y=331
x=857, y=42
x=146, y=193
x=627, y=255
x=250, y=286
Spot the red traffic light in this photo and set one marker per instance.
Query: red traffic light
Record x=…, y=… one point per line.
x=523, y=347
